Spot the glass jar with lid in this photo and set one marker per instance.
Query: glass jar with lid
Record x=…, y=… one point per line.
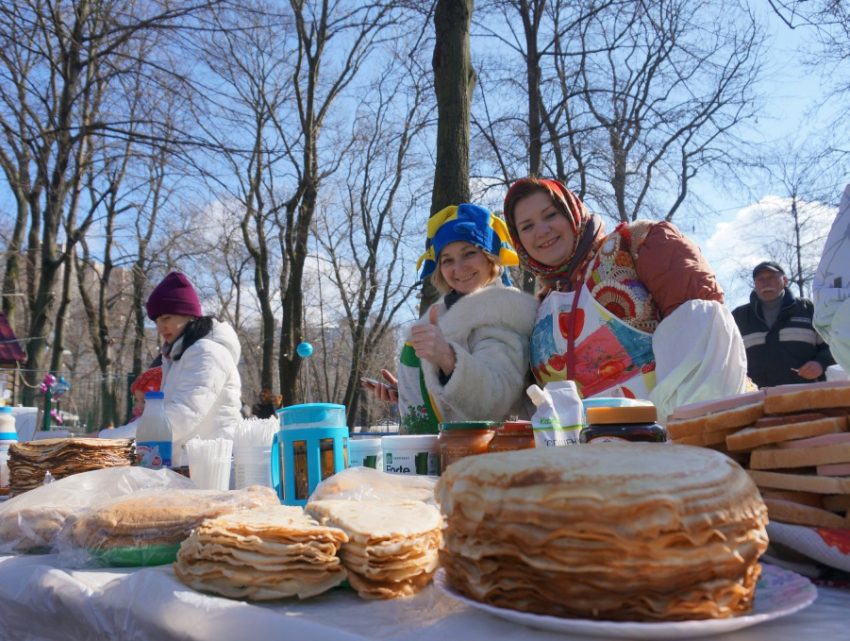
x=459, y=439
x=512, y=435
x=636, y=424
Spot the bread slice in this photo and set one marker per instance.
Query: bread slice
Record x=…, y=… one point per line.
x=787, y=512
x=783, y=399
x=752, y=437
x=816, y=441
x=772, y=420
x=704, y=408
x=802, y=498
x=837, y=503
x=834, y=469
x=706, y=438
x=767, y=459
x=801, y=482
x=724, y=420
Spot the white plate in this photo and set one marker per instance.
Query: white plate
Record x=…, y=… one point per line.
x=778, y=593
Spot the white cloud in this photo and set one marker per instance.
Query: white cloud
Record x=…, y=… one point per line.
x=764, y=231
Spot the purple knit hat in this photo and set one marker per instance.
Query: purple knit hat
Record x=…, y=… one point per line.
x=174, y=295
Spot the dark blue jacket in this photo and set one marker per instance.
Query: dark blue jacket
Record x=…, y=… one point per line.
x=790, y=343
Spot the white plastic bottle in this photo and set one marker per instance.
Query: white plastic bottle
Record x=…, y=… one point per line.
x=153, y=436
x=8, y=436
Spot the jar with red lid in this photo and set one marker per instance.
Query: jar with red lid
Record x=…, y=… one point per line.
x=636, y=424
x=460, y=439
x=511, y=436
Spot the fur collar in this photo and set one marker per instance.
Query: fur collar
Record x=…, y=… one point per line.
x=495, y=304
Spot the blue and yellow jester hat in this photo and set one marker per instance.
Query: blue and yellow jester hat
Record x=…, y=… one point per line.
x=472, y=224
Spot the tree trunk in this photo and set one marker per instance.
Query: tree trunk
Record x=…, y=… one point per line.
x=454, y=82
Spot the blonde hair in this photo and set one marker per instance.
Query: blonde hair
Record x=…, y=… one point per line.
x=443, y=287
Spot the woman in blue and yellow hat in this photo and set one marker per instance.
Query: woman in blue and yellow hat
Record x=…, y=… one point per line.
x=467, y=358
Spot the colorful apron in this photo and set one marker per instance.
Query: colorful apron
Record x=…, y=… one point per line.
x=419, y=414
x=594, y=348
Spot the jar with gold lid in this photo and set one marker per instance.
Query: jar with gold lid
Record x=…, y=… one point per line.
x=511, y=436
x=636, y=424
x=459, y=439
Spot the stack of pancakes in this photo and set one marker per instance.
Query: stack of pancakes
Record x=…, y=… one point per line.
x=392, y=548
x=267, y=553
x=159, y=518
x=30, y=461
x=622, y=532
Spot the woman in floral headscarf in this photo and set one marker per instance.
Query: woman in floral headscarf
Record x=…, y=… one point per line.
x=636, y=312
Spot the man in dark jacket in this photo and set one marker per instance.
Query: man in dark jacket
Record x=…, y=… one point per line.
x=782, y=346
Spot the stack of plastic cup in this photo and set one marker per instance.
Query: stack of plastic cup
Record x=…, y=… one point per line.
x=209, y=462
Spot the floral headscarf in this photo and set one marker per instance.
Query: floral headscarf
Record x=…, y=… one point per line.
x=586, y=227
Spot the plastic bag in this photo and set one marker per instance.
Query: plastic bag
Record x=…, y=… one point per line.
x=29, y=522
x=366, y=484
x=147, y=528
x=831, y=286
x=559, y=416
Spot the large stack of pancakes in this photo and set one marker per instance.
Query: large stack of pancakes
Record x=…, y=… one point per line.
x=392, y=548
x=158, y=518
x=267, y=553
x=794, y=441
x=29, y=462
x=613, y=531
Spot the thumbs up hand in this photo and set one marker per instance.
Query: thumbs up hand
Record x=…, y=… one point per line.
x=431, y=345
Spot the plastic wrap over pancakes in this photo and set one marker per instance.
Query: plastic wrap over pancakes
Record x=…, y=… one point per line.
x=615, y=531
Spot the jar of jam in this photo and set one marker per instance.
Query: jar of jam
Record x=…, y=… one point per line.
x=635, y=424
x=460, y=439
x=511, y=436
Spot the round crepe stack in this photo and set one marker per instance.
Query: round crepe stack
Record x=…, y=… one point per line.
x=613, y=531
x=393, y=546
x=31, y=460
x=267, y=553
x=157, y=518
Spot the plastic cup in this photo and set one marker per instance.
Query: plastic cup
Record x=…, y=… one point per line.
x=210, y=473
x=252, y=466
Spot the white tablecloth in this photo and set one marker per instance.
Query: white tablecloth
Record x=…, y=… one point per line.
x=41, y=601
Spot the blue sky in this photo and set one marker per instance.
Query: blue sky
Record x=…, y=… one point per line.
x=734, y=239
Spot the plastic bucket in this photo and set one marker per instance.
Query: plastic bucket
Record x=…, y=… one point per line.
x=366, y=452
x=414, y=454
x=252, y=466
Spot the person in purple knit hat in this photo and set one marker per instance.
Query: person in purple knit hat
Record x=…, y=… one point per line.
x=200, y=354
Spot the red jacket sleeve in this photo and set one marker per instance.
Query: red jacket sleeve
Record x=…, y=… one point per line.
x=674, y=270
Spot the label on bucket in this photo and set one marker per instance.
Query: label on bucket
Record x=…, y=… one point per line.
x=420, y=463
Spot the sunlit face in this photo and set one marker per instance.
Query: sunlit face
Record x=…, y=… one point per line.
x=545, y=233
x=769, y=285
x=171, y=326
x=464, y=267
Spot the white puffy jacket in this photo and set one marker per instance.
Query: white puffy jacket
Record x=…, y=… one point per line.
x=203, y=389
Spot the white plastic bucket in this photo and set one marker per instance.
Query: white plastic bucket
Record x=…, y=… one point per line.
x=415, y=454
x=366, y=452
x=252, y=466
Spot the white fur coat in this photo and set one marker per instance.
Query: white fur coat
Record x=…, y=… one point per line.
x=489, y=331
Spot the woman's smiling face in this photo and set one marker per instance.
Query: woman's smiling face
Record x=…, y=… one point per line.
x=464, y=267
x=545, y=233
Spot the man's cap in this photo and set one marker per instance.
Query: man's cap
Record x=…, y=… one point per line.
x=768, y=264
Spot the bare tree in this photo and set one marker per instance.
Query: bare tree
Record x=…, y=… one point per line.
x=56, y=67
x=454, y=82
x=352, y=29
x=365, y=243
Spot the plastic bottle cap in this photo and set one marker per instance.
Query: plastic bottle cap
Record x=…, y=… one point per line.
x=9, y=436
x=150, y=395
x=5, y=410
x=615, y=415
